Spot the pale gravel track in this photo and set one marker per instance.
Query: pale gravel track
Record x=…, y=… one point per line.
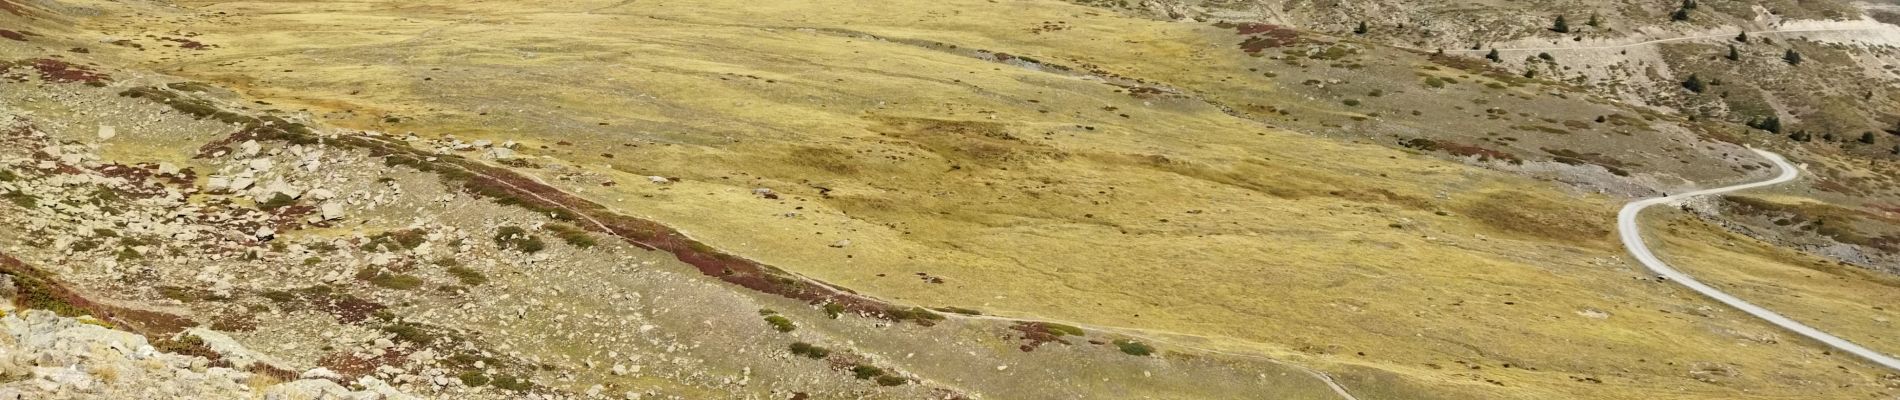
x=1632, y=236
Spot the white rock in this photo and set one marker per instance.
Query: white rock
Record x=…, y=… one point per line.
x=265, y=232
x=331, y=210
x=659, y=179
x=320, y=373
x=501, y=153
x=241, y=184
x=249, y=148
x=107, y=132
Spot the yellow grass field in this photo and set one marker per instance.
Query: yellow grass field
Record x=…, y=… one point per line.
x=911, y=163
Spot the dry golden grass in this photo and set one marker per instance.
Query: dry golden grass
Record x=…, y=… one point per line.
x=1026, y=191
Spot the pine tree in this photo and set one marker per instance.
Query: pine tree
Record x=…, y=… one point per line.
x=1801, y=136
x=1733, y=54
x=1493, y=56
x=1530, y=74
x=1694, y=84
x=1688, y=4
x=1867, y=137
x=1791, y=57
x=1682, y=14
x=1362, y=29
x=1742, y=37
x=1594, y=23
x=1561, y=26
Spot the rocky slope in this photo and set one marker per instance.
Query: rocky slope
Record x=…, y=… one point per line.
x=46, y=356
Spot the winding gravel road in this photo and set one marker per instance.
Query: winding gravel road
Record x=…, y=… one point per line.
x=1633, y=239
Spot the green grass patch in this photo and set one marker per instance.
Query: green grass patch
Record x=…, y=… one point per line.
x=22, y=199
x=473, y=378
x=516, y=238
x=807, y=350
x=386, y=279
x=780, y=323
x=468, y=276
x=574, y=236
x=866, y=372
x=275, y=202
x=1134, y=348
x=404, y=239
x=512, y=383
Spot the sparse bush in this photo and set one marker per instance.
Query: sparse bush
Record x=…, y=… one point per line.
x=8, y=176
x=866, y=372
x=916, y=314
x=809, y=351
x=513, y=237
x=279, y=296
x=405, y=239
x=312, y=261
x=1060, y=329
x=468, y=276
x=22, y=199
x=1351, y=102
x=780, y=323
x=1134, y=348
x=574, y=236
x=473, y=378
x=275, y=202
x=1694, y=84
x=377, y=276
x=408, y=332
x=891, y=380
x=834, y=310
x=510, y=382
x=128, y=254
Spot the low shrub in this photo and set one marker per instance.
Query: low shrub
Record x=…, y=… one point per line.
x=1134, y=348
x=780, y=323
x=574, y=236
x=473, y=378
x=809, y=351
x=468, y=276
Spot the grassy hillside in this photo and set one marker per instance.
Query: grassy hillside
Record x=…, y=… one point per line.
x=1417, y=226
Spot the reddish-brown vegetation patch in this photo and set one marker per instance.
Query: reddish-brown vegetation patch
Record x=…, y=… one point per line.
x=57, y=71
x=12, y=35
x=351, y=365
x=37, y=289
x=1262, y=36
x=1461, y=150
x=1038, y=333
x=507, y=187
x=510, y=188
x=1573, y=157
